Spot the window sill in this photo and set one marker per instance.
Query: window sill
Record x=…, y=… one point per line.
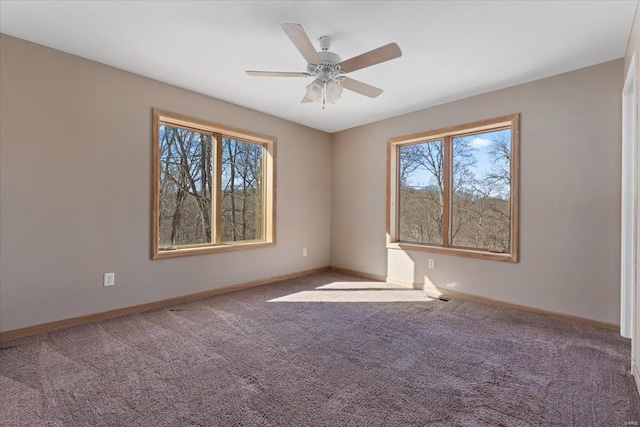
x=469, y=253
x=202, y=250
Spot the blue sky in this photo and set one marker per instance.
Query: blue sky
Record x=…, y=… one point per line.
x=480, y=144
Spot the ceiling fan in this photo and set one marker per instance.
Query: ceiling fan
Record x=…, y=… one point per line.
x=329, y=69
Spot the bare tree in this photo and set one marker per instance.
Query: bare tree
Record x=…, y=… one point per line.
x=242, y=190
x=429, y=158
x=480, y=201
x=185, y=181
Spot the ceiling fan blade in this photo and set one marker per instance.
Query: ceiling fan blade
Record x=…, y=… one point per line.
x=373, y=57
x=301, y=41
x=306, y=100
x=361, y=88
x=276, y=74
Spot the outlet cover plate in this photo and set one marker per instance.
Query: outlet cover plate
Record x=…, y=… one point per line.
x=109, y=279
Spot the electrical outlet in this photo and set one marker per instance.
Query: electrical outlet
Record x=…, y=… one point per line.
x=432, y=263
x=109, y=279
x=304, y=252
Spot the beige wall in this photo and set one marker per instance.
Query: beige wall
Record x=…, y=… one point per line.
x=75, y=141
x=569, y=196
x=75, y=157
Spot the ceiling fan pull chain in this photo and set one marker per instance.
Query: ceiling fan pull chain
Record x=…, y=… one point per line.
x=324, y=94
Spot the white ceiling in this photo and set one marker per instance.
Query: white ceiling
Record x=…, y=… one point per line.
x=451, y=50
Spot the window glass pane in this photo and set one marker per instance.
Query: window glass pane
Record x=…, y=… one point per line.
x=481, y=187
x=242, y=194
x=421, y=200
x=185, y=186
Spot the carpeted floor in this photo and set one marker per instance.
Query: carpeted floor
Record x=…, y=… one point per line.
x=323, y=350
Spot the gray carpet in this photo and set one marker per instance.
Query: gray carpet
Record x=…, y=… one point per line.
x=324, y=350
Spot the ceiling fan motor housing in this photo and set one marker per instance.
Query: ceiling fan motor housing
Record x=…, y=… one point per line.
x=329, y=57
x=328, y=69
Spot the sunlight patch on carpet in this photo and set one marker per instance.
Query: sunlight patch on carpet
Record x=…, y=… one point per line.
x=357, y=292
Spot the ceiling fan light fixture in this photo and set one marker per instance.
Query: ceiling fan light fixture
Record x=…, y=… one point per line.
x=333, y=91
x=329, y=92
x=314, y=90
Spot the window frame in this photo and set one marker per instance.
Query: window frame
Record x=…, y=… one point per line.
x=511, y=121
x=163, y=117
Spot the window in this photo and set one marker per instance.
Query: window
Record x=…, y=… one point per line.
x=213, y=187
x=455, y=190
